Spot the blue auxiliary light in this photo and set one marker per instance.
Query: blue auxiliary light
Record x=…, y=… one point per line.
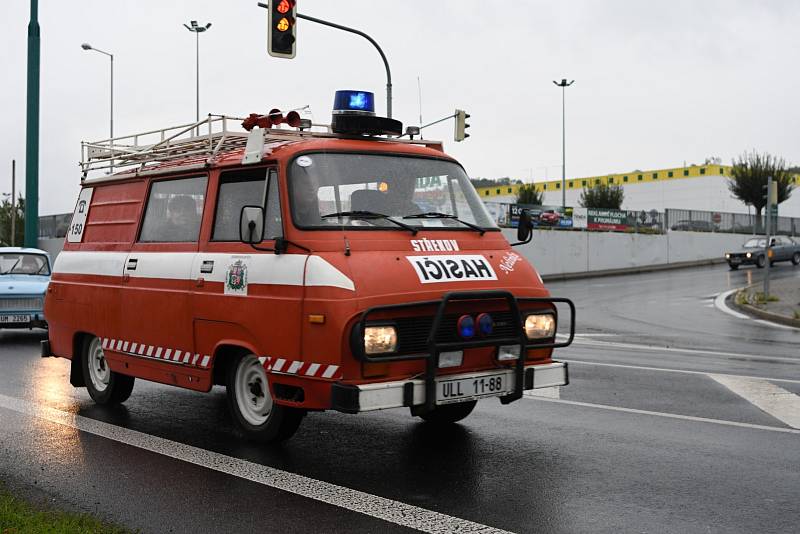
x=355, y=102
x=485, y=324
x=466, y=327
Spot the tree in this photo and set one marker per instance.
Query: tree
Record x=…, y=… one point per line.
x=6, y=211
x=749, y=179
x=603, y=196
x=529, y=195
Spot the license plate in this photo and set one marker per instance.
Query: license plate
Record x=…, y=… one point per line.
x=464, y=389
x=5, y=319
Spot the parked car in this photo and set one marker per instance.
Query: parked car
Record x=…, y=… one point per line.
x=24, y=276
x=752, y=253
x=549, y=217
x=694, y=226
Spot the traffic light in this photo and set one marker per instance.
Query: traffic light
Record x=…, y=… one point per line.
x=281, y=19
x=461, y=125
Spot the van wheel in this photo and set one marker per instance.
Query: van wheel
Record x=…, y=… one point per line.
x=761, y=262
x=252, y=406
x=449, y=413
x=104, y=385
x=796, y=258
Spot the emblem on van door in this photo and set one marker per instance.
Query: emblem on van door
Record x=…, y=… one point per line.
x=236, y=279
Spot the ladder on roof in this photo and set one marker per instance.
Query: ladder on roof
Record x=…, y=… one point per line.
x=207, y=137
x=196, y=143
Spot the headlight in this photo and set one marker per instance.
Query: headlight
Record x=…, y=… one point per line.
x=540, y=326
x=727, y=256
x=749, y=254
x=380, y=339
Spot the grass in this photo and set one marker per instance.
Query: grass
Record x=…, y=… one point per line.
x=797, y=314
x=754, y=299
x=20, y=517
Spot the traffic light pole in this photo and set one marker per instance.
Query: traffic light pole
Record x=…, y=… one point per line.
x=768, y=230
x=365, y=36
x=32, y=133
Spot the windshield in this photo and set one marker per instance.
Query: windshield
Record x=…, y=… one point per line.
x=755, y=243
x=22, y=263
x=400, y=187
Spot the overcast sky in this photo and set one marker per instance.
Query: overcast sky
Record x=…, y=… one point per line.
x=656, y=84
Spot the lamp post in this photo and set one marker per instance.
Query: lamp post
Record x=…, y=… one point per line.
x=563, y=85
x=194, y=27
x=87, y=46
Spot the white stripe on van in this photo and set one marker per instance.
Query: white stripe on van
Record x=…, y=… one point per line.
x=282, y=269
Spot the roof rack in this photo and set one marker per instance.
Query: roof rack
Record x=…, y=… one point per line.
x=195, y=144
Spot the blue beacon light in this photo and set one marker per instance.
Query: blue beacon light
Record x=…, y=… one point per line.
x=466, y=327
x=354, y=102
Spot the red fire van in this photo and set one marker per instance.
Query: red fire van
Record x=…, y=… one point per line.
x=349, y=269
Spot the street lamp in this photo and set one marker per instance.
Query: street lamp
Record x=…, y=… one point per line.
x=87, y=46
x=563, y=85
x=197, y=31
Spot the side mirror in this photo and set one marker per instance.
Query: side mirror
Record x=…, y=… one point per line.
x=251, y=224
x=525, y=226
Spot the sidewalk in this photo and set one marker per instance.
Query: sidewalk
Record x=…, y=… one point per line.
x=784, y=310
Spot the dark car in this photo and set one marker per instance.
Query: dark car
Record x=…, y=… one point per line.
x=752, y=253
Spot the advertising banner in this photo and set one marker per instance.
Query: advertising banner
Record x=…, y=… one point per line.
x=607, y=219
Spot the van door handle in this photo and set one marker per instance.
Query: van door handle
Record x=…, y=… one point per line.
x=132, y=262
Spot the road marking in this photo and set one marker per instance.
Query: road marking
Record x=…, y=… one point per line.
x=686, y=371
x=777, y=402
x=546, y=393
x=775, y=325
x=719, y=302
x=349, y=499
x=668, y=415
x=653, y=348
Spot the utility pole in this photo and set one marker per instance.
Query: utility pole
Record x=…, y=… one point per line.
x=770, y=201
x=13, y=200
x=197, y=31
x=87, y=46
x=563, y=85
x=32, y=132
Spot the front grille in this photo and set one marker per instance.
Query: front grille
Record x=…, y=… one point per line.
x=21, y=304
x=412, y=332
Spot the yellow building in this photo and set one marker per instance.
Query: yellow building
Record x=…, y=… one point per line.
x=624, y=179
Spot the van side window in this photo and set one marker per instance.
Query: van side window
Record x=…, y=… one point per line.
x=174, y=210
x=237, y=189
x=273, y=224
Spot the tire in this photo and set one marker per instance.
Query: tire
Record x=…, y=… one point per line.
x=796, y=258
x=104, y=385
x=251, y=404
x=449, y=413
x=733, y=266
x=761, y=262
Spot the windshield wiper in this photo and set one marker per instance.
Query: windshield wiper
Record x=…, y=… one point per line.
x=362, y=214
x=12, y=267
x=438, y=215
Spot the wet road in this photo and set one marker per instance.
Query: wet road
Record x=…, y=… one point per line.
x=656, y=433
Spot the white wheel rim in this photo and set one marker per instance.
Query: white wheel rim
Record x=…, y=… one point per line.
x=252, y=391
x=99, y=372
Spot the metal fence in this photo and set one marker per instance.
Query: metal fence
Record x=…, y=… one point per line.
x=54, y=225
x=733, y=223
x=652, y=221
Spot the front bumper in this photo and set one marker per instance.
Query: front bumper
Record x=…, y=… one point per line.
x=36, y=319
x=350, y=398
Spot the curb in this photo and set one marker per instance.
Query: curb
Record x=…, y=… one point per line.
x=631, y=270
x=762, y=314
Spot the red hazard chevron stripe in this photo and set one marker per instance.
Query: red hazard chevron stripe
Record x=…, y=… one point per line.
x=298, y=368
